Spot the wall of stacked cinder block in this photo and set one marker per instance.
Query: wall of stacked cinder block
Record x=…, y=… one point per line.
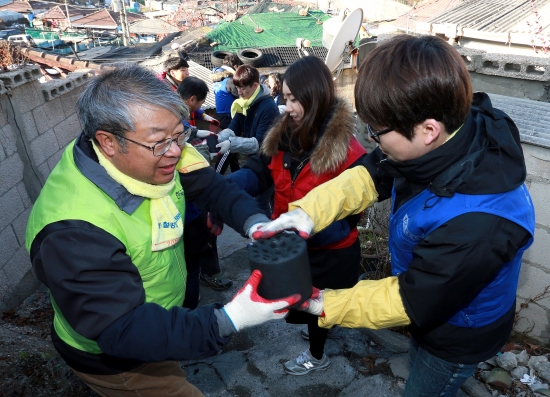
x=36, y=122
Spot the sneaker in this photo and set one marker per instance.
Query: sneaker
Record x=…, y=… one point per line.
x=333, y=333
x=306, y=363
x=216, y=282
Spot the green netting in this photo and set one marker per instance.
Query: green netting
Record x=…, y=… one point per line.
x=279, y=30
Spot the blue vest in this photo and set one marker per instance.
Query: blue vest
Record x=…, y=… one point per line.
x=224, y=99
x=417, y=218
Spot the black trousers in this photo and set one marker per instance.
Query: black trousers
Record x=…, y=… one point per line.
x=335, y=269
x=201, y=256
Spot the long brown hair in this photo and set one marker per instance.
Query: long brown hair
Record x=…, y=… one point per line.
x=310, y=82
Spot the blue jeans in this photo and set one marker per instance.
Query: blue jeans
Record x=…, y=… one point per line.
x=431, y=376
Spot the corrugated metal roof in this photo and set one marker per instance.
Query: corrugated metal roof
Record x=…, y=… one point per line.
x=203, y=73
x=531, y=117
x=195, y=70
x=497, y=15
x=424, y=12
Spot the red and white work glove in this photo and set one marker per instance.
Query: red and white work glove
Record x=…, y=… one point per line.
x=296, y=220
x=314, y=305
x=214, y=224
x=204, y=133
x=214, y=122
x=248, y=309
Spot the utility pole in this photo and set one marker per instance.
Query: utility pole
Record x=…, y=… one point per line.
x=68, y=17
x=123, y=23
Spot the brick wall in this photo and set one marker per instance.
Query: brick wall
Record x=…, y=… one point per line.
x=36, y=122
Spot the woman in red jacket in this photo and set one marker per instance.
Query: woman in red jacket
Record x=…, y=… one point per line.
x=310, y=144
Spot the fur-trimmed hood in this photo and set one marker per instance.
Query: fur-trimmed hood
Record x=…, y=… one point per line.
x=331, y=149
x=222, y=73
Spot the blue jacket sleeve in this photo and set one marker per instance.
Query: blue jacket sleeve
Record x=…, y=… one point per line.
x=246, y=180
x=219, y=195
x=336, y=231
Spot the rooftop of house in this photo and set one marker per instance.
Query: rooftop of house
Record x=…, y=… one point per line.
x=152, y=26
x=423, y=12
x=16, y=6
x=502, y=22
x=105, y=19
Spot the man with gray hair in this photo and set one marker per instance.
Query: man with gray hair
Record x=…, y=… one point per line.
x=105, y=237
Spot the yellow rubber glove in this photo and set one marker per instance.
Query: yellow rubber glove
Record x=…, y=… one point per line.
x=371, y=304
x=347, y=194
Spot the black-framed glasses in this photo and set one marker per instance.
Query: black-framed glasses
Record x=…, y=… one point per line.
x=163, y=146
x=375, y=134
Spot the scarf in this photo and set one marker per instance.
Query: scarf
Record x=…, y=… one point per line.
x=166, y=222
x=241, y=105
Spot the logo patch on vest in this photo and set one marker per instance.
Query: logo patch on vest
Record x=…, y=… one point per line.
x=407, y=233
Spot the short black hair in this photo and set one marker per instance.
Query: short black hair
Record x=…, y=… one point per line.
x=192, y=86
x=174, y=63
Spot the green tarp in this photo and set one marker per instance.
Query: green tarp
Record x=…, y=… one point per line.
x=279, y=30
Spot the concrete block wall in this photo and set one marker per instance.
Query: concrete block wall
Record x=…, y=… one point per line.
x=510, y=75
x=36, y=122
x=535, y=274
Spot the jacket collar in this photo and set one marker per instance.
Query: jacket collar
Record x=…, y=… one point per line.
x=264, y=92
x=219, y=75
x=86, y=161
x=331, y=149
x=484, y=157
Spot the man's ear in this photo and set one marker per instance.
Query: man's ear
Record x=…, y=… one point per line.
x=107, y=143
x=432, y=131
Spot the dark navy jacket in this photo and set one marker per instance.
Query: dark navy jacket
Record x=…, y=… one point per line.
x=259, y=117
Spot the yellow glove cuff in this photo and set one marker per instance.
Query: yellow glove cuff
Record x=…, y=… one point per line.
x=347, y=194
x=371, y=304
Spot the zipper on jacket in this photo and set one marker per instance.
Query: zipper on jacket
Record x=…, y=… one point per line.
x=297, y=171
x=178, y=260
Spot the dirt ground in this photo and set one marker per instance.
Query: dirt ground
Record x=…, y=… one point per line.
x=29, y=364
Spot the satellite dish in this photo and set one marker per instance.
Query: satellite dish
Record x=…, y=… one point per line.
x=340, y=44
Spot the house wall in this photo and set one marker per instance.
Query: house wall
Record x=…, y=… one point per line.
x=36, y=122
